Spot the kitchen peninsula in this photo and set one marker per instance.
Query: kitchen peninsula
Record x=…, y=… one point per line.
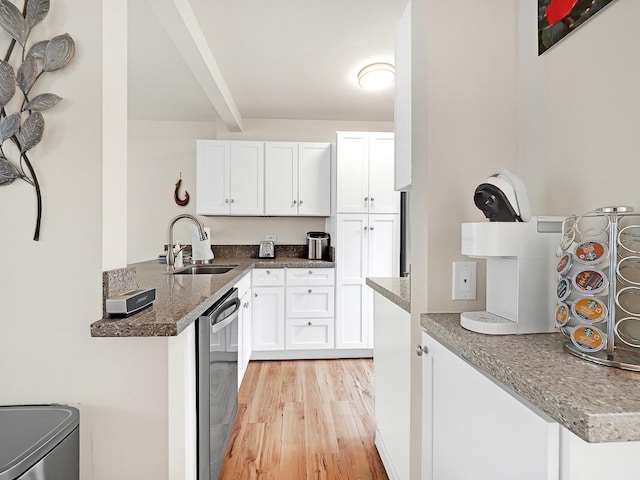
x=502, y=404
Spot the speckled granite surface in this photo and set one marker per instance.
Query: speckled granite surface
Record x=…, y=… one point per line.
x=396, y=289
x=597, y=403
x=181, y=299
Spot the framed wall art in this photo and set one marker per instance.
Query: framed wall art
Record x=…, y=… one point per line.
x=558, y=18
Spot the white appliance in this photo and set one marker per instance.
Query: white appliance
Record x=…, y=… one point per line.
x=519, y=250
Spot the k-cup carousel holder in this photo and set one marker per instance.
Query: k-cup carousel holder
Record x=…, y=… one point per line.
x=598, y=286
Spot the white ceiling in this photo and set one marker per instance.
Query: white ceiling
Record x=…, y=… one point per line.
x=294, y=59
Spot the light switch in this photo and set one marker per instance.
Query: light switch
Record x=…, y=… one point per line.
x=464, y=281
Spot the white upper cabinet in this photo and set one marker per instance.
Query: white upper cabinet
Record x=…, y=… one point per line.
x=364, y=166
x=230, y=178
x=280, y=175
x=382, y=197
x=314, y=179
x=297, y=179
x=402, y=111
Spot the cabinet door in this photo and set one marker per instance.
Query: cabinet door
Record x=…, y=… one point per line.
x=478, y=430
x=352, y=305
x=246, y=178
x=212, y=177
x=384, y=246
x=402, y=104
x=268, y=318
x=244, y=332
x=314, y=179
x=382, y=196
x=352, y=189
x=280, y=178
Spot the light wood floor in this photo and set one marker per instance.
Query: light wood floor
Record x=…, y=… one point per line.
x=308, y=419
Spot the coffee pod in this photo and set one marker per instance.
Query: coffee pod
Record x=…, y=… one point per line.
x=587, y=338
x=589, y=310
x=589, y=281
x=591, y=253
x=564, y=264
x=628, y=330
x=563, y=315
x=563, y=289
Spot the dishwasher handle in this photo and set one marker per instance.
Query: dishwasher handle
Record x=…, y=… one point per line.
x=217, y=323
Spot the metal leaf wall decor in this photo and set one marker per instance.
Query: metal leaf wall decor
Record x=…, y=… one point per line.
x=25, y=126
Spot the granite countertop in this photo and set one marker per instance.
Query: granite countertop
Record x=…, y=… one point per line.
x=181, y=299
x=597, y=403
x=396, y=289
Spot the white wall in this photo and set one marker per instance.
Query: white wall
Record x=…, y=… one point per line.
x=114, y=131
x=50, y=291
x=580, y=111
x=159, y=151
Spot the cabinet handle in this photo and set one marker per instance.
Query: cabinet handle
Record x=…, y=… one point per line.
x=310, y=272
x=232, y=200
x=255, y=294
x=420, y=350
x=371, y=228
x=310, y=291
x=294, y=202
x=366, y=228
x=366, y=199
x=373, y=199
x=268, y=272
x=309, y=323
x=300, y=202
x=226, y=200
x=246, y=304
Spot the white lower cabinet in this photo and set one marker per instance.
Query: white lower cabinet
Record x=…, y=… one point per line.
x=392, y=383
x=268, y=318
x=367, y=246
x=473, y=428
x=293, y=309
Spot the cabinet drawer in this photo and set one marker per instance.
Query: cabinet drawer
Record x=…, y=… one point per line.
x=310, y=276
x=268, y=277
x=310, y=302
x=303, y=334
x=243, y=285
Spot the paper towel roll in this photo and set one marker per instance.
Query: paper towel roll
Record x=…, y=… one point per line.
x=200, y=249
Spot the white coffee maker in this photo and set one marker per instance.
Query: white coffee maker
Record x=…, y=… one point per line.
x=519, y=251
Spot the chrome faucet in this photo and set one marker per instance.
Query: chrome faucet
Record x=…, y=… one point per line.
x=170, y=254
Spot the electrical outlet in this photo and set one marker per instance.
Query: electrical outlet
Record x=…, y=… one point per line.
x=464, y=281
x=273, y=237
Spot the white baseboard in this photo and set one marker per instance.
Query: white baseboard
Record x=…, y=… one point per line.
x=392, y=473
x=312, y=354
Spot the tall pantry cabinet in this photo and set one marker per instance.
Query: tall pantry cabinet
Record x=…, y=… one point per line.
x=366, y=230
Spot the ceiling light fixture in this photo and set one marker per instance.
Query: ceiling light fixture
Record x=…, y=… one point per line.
x=376, y=76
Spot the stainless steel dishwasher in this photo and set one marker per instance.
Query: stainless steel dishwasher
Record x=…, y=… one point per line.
x=217, y=386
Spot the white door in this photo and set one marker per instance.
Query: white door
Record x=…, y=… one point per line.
x=314, y=179
x=247, y=178
x=280, y=178
x=382, y=196
x=268, y=318
x=478, y=430
x=212, y=177
x=352, y=309
x=352, y=169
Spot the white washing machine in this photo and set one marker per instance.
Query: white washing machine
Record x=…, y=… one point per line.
x=39, y=442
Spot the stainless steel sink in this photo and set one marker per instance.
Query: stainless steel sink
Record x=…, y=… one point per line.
x=205, y=270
